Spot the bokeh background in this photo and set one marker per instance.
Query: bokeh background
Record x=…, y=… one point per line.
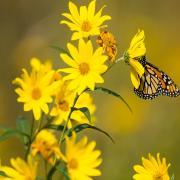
x=27, y=28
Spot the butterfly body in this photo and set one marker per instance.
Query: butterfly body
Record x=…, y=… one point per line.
x=155, y=82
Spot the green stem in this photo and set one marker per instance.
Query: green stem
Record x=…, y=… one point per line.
x=31, y=137
x=69, y=117
x=52, y=171
x=67, y=121
x=46, y=169
x=120, y=59
x=110, y=66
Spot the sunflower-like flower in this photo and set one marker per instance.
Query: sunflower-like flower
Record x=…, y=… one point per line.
x=86, y=22
x=47, y=145
x=152, y=169
x=136, y=50
x=37, y=88
x=81, y=158
x=86, y=66
x=108, y=42
x=20, y=169
x=63, y=103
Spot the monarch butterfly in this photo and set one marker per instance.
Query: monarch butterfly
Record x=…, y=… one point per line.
x=155, y=82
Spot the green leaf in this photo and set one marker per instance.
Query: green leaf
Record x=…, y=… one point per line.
x=3, y=174
x=85, y=111
x=52, y=170
x=60, y=50
x=54, y=127
x=81, y=127
x=108, y=91
x=172, y=177
x=8, y=133
x=23, y=126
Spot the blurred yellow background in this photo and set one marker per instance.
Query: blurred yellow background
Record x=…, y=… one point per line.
x=27, y=28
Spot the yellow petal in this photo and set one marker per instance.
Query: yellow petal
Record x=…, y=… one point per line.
x=137, y=38
x=91, y=9
x=137, y=66
x=137, y=47
x=83, y=12
x=35, y=63
x=27, y=107
x=68, y=60
x=76, y=35
x=72, y=26
x=102, y=19
x=74, y=11
x=69, y=16
x=44, y=108
x=37, y=112
x=134, y=78
x=73, y=51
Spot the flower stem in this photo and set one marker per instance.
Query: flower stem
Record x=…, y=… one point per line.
x=46, y=169
x=31, y=137
x=67, y=121
x=120, y=59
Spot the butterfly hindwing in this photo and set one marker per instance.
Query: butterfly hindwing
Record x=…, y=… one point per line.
x=155, y=82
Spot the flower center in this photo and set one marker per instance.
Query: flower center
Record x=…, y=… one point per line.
x=57, y=76
x=158, y=177
x=36, y=93
x=84, y=68
x=86, y=26
x=63, y=105
x=73, y=164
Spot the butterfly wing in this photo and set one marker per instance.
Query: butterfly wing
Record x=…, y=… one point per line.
x=155, y=82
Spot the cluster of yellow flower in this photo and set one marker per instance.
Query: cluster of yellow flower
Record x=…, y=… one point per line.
x=62, y=103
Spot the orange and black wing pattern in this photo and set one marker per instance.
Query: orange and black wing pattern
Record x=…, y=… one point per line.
x=155, y=82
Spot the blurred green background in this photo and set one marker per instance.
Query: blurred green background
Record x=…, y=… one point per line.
x=27, y=28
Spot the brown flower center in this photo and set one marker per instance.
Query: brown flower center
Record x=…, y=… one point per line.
x=57, y=76
x=86, y=26
x=84, y=68
x=158, y=177
x=63, y=105
x=73, y=164
x=36, y=93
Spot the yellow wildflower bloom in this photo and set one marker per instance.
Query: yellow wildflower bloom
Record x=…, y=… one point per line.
x=45, y=68
x=38, y=66
x=86, y=66
x=63, y=103
x=86, y=22
x=136, y=50
x=81, y=158
x=36, y=89
x=152, y=169
x=20, y=169
x=108, y=42
x=47, y=145
x=137, y=47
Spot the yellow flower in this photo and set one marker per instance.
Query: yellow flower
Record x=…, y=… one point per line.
x=136, y=50
x=36, y=89
x=45, y=68
x=87, y=22
x=20, y=169
x=39, y=67
x=137, y=47
x=63, y=103
x=108, y=42
x=47, y=145
x=152, y=169
x=81, y=158
x=86, y=66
